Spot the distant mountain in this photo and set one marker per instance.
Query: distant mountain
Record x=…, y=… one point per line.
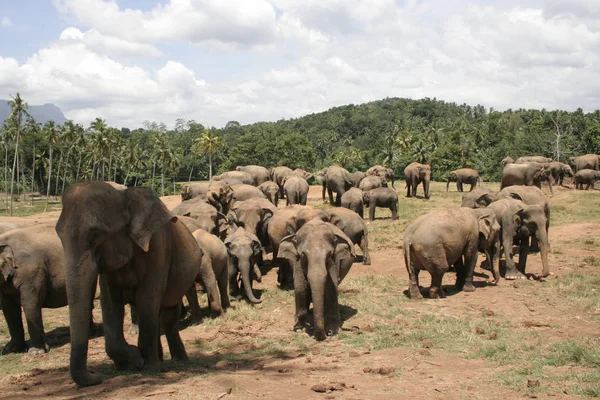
x=42, y=114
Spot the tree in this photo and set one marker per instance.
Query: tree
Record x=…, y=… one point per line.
x=208, y=143
x=18, y=110
x=33, y=131
x=52, y=133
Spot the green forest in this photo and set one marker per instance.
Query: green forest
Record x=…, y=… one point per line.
x=392, y=132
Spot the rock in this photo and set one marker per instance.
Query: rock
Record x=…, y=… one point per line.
x=380, y=370
x=320, y=388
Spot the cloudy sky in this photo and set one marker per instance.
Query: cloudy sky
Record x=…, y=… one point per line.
x=251, y=60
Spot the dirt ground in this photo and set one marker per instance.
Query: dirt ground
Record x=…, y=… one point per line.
x=465, y=346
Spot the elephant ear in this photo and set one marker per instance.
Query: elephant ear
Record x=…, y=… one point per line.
x=147, y=215
x=366, y=197
x=344, y=248
x=484, y=200
x=8, y=267
x=267, y=215
x=516, y=196
x=485, y=223
x=337, y=221
x=291, y=227
x=287, y=248
x=517, y=219
x=232, y=216
x=256, y=247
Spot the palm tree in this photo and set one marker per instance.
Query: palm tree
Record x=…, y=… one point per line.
x=18, y=110
x=7, y=132
x=33, y=129
x=100, y=142
x=79, y=145
x=52, y=134
x=71, y=133
x=209, y=142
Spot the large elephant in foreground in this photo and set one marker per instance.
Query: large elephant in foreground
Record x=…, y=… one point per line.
x=321, y=256
x=416, y=173
x=338, y=181
x=588, y=161
x=530, y=174
x=461, y=176
x=143, y=256
x=259, y=174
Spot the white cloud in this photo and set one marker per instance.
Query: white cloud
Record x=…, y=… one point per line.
x=108, y=44
x=6, y=22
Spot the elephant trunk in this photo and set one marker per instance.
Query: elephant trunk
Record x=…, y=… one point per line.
x=542, y=237
x=447, y=185
x=426, y=186
x=316, y=279
x=245, y=272
x=81, y=279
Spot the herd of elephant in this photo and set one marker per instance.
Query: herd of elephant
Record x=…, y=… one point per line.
x=150, y=257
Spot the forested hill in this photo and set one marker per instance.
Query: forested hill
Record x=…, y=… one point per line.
x=42, y=114
x=397, y=131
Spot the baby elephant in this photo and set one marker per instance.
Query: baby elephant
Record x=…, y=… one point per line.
x=353, y=200
x=586, y=177
x=321, y=255
x=381, y=197
x=32, y=276
x=243, y=254
x=442, y=238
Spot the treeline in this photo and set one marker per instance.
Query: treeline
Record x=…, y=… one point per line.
x=393, y=132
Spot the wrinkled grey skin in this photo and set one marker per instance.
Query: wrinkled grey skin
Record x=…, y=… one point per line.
x=338, y=181
x=321, y=255
x=193, y=190
x=271, y=191
x=322, y=176
x=143, y=255
x=529, y=195
x=586, y=177
x=212, y=274
x=259, y=174
x=241, y=176
x=442, y=238
x=474, y=199
x=190, y=223
x=245, y=192
x=381, y=197
x=354, y=227
x=353, y=200
x=588, y=161
x=206, y=215
x=296, y=190
x=285, y=222
x=382, y=172
x=220, y=195
x=414, y=174
x=519, y=221
x=490, y=245
x=559, y=171
x=243, y=251
x=461, y=176
x=32, y=277
x=371, y=182
x=278, y=174
x=507, y=160
x=253, y=215
x=530, y=174
x=537, y=159
x=356, y=177
x=304, y=174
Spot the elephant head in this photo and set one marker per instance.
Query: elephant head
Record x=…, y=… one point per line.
x=451, y=178
x=305, y=174
x=303, y=217
x=319, y=251
x=243, y=251
x=366, y=198
x=101, y=229
x=220, y=196
x=186, y=193
x=251, y=216
x=507, y=160
x=321, y=175
x=489, y=239
x=567, y=170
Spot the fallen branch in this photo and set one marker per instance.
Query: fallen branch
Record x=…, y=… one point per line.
x=224, y=394
x=161, y=393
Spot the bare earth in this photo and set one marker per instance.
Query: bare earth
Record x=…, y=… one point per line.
x=253, y=353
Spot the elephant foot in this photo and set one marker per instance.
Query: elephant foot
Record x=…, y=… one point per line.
x=367, y=261
x=436, y=293
x=468, y=287
x=415, y=294
x=511, y=275
x=493, y=282
x=14, y=347
x=87, y=379
x=320, y=335
x=38, y=350
x=130, y=361
x=153, y=366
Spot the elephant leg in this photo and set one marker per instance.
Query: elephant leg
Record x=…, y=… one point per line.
x=35, y=326
x=207, y=276
x=222, y=282
x=435, y=291
x=338, y=199
x=470, y=262
x=323, y=192
x=361, y=211
x=408, y=189
x=12, y=313
x=192, y=298
x=234, y=289
x=459, y=186
x=333, y=320
x=394, y=210
x=285, y=276
x=169, y=318
x=304, y=199
x=413, y=276
x=372, y=207
x=330, y=193
x=149, y=336
x=302, y=297
x=523, y=252
x=459, y=266
x=550, y=186
x=113, y=313
x=133, y=329
x=364, y=246
x=415, y=183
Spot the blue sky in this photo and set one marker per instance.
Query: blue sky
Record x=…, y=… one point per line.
x=249, y=60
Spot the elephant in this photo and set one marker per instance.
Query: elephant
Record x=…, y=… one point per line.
x=220, y=195
x=529, y=195
x=338, y=181
x=321, y=256
x=507, y=160
x=143, y=255
x=190, y=223
x=254, y=216
x=381, y=197
x=259, y=174
x=8, y=226
x=537, y=159
x=354, y=227
x=277, y=176
x=519, y=221
x=271, y=191
x=443, y=238
x=246, y=192
x=382, y=172
x=193, y=190
x=356, y=177
x=475, y=199
x=353, y=200
x=558, y=171
x=296, y=190
x=529, y=174
x=241, y=176
x=490, y=246
x=322, y=176
x=588, y=161
x=206, y=215
x=212, y=273
x=372, y=182
x=416, y=173
x=302, y=173
x=32, y=277
x=586, y=177
x=243, y=255
x=463, y=175
x=288, y=221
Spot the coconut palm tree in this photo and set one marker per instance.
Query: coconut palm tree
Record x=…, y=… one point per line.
x=52, y=134
x=33, y=131
x=18, y=111
x=208, y=143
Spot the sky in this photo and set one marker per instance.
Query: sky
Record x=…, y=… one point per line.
x=214, y=61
